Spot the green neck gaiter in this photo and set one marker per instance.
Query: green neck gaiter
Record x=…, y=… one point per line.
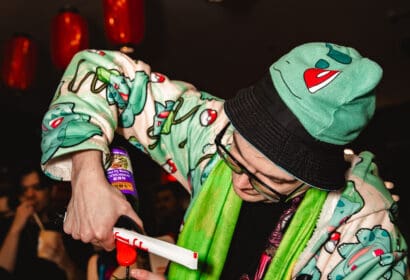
x=211, y=223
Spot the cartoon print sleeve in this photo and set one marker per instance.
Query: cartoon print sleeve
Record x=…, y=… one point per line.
x=361, y=239
x=365, y=248
x=106, y=92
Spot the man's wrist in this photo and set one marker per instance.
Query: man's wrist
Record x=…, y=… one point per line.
x=88, y=161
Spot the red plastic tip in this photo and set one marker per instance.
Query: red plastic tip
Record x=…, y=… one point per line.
x=126, y=254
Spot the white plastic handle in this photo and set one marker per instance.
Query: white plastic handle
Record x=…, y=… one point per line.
x=158, y=247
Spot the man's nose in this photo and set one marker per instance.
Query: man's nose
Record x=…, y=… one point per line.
x=29, y=192
x=243, y=179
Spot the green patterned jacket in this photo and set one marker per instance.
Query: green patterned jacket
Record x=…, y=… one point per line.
x=106, y=92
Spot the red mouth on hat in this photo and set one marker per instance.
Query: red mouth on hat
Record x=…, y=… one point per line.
x=316, y=78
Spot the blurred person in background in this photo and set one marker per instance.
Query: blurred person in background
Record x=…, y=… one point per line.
x=20, y=232
x=168, y=209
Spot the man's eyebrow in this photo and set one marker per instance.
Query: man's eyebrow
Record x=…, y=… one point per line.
x=281, y=180
x=37, y=185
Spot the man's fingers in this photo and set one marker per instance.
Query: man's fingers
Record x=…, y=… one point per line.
x=142, y=274
x=108, y=244
x=348, y=155
x=389, y=185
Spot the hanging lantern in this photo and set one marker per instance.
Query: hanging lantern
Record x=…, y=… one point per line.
x=124, y=23
x=20, y=59
x=69, y=35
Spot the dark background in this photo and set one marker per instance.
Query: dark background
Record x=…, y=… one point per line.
x=220, y=48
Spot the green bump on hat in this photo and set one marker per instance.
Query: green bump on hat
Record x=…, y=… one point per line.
x=329, y=88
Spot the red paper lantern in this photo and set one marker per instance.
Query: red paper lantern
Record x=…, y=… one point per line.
x=69, y=35
x=124, y=21
x=20, y=59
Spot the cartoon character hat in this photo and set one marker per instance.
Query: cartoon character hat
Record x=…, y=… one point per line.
x=314, y=101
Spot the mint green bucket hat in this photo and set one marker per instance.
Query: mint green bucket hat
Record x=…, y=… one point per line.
x=312, y=102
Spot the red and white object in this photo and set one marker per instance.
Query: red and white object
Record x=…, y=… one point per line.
x=158, y=247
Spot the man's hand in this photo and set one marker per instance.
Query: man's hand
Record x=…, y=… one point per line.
x=390, y=186
x=51, y=247
x=350, y=156
x=95, y=205
x=142, y=274
x=23, y=212
x=53, y=250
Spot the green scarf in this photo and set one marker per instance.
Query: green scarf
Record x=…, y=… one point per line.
x=210, y=225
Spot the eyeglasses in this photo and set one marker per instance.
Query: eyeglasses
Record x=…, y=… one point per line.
x=262, y=188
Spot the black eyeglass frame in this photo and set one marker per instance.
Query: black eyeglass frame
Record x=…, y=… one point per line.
x=251, y=176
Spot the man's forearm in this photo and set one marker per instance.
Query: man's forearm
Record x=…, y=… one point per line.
x=8, y=251
x=86, y=162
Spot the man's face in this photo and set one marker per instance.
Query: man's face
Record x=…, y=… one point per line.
x=262, y=168
x=34, y=192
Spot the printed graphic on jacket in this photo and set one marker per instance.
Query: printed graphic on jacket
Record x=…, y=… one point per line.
x=373, y=246
x=65, y=128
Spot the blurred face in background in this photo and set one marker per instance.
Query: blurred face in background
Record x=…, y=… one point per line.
x=34, y=191
x=165, y=203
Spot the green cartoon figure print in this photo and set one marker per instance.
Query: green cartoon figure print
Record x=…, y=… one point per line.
x=163, y=118
x=310, y=271
x=117, y=88
x=180, y=114
x=166, y=117
x=134, y=141
x=129, y=95
x=62, y=127
x=373, y=246
x=349, y=203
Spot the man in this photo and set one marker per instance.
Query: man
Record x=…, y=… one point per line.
x=19, y=234
x=167, y=209
x=272, y=196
